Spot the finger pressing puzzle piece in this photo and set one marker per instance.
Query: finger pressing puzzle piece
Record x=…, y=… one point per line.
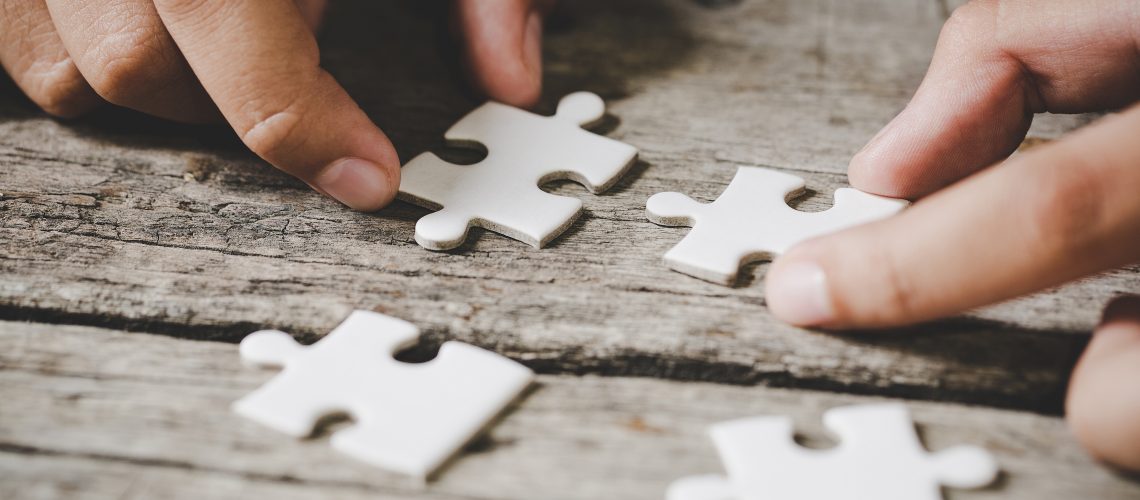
x=752, y=219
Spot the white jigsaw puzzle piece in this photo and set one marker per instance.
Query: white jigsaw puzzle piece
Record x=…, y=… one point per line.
x=752, y=220
x=879, y=457
x=409, y=418
x=501, y=193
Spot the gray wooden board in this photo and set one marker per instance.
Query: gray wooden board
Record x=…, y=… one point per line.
x=121, y=221
x=95, y=413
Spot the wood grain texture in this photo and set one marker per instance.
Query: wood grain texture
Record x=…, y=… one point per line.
x=96, y=413
x=120, y=221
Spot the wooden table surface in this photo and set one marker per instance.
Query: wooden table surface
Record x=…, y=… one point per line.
x=134, y=253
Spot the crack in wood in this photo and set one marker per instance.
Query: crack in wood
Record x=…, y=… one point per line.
x=625, y=363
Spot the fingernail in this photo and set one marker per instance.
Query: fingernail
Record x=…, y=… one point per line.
x=356, y=182
x=797, y=293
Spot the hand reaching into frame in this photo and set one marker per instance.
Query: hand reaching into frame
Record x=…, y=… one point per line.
x=253, y=63
x=984, y=232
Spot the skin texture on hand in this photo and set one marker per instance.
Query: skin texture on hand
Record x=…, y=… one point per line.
x=253, y=64
x=997, y=63
x=984, y=231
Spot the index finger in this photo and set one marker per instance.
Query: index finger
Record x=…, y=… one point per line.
x=259, y=63
x=1061, y=211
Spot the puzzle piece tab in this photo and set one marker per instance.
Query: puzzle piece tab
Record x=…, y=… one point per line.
x=752, y=220
x=879, y=457
x=501, y=193
x=408, y=417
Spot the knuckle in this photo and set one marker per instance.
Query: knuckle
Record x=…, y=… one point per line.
x=127, y=66
x=1067, y=208
x=272, y=129
x=272, y=122
x=59, y=89
x=970, y=21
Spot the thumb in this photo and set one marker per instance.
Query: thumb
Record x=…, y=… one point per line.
x=996, y=64
x=259, y=63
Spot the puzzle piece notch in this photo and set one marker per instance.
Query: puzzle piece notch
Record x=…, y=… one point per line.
x=408, y=417
x=501, y=193
x=879, y=456
x=958, y=466
x=751, y=220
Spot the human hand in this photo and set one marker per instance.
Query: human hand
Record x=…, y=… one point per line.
x=254, y=63
x=981, y=235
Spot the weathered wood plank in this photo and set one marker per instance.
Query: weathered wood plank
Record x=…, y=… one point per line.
x=36, y=475
x=121, y=221
x=119, y=415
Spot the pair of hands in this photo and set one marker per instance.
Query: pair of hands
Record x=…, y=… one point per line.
x=981, y=232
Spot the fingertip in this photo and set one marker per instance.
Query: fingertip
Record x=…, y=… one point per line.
x=531, y=85
x=518, y=88
x=1102, y=410
x=867, y=175
x=884, y=165
x=504, y=50
x=797, y=292
x=360, y=184
x=849, y=279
